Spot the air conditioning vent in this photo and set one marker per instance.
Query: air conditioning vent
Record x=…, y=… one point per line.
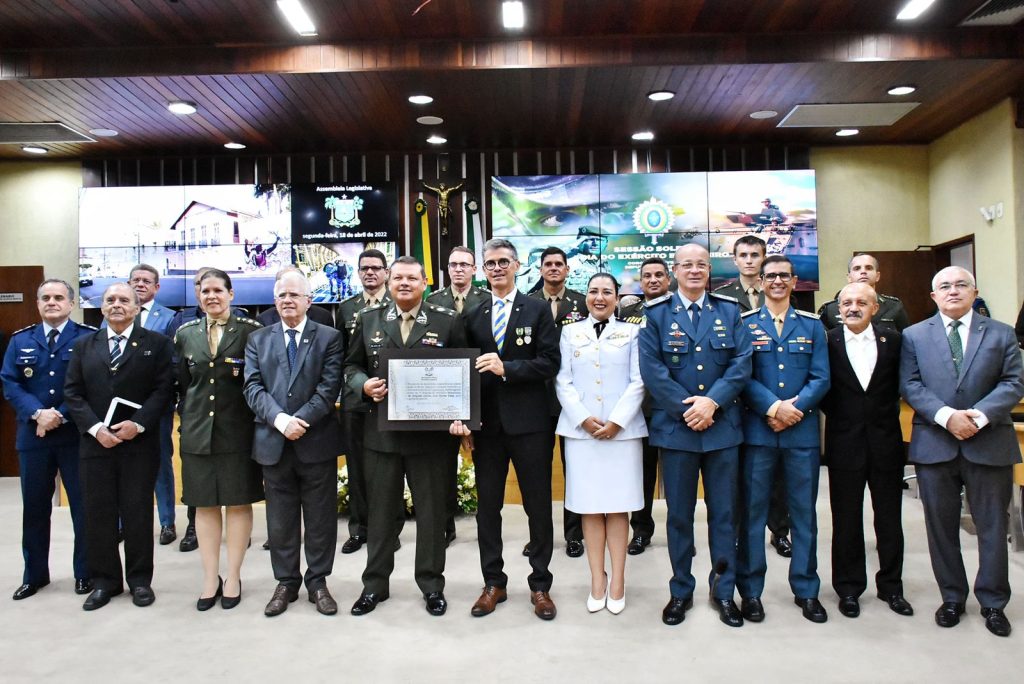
x=996, y=13
x=54, y=132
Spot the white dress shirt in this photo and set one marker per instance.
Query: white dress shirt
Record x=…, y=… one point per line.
x=862, y=350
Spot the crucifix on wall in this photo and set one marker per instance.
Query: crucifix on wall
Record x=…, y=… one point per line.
x=443, y=207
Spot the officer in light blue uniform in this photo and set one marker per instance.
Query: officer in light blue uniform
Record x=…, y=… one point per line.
x=780, y=424
x=694, y=363
x=33, y=378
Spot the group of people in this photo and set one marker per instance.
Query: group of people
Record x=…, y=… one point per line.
x=727, y=388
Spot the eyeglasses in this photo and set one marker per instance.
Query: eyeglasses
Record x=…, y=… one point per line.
x=784, y=277
x=371, y=269
x=502, y=263
x=694, y=266
x=958, y=285
x=460, y=266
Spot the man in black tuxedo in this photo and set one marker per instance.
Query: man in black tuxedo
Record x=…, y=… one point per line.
x=519, y=345
x=865, y=447
x=292, y=380
x=119, y=462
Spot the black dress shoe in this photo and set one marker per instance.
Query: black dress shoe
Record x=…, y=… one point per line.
x=325, y=603
x=207, y=602
x=675, y=610
x=449, y=538
x=782, y=545
x=266, y=545
x=283, y=595
x=812, y=609
x=367, y=602
x=99, y=598
x=26, y=590
x=849, y=606
x=83, y=586
x=229, y=602
x=948, y=614
x=996, y=622
x=728, y=612
x=897, y=604
x=637, y=545
x=353, y=544
x=752, y=609
x=189, y=542
x=143, y=596
x=574, y=548
x=436, y=603
x=167, y=534
x=526, y=549
x=398, y=544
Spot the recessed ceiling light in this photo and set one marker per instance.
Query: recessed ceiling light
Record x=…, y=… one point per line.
x=234, y=146
x=660, y=95
x=847, y=132
x=182, y=107
x=513, y=16
x=430, y=120
x=437, y=140
x=764, y=114
x=103, y=132
x=643, y=136
x=914, y=9
x=420, y=99
x=902, y=90
x=296, y=15
x=32, y=149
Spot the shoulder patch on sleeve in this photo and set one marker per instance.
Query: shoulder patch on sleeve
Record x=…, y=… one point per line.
x=806, y=314
x=193, y=322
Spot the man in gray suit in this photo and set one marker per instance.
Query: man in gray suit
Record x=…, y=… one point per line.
x=961, y=373
x=292, y=379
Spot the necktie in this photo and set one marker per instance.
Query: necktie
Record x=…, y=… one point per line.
x=406, y=326
x=458, y=303
x=213, y=336
x=115, y=351
x=695, y=315
x=51, y=339
x=293, y=348
x=956, y=346
x=500, y=323
x=779, y=322
x=599, y=327
x=554, y=306
x=754, y=296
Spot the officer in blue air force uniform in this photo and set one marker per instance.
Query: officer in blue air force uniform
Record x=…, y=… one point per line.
x=790, y=377
x=33, y=377
x=695, y=363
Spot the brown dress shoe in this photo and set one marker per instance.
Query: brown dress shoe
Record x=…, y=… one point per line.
x=489, y=599
x=283, y=595
x=543, y=606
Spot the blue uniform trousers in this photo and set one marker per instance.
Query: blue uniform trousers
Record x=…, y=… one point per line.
x=800, y=468
x=680, y=470
x=165, y=476
x=38, y=469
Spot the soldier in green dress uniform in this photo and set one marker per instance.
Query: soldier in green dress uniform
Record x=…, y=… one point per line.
x=863, y=268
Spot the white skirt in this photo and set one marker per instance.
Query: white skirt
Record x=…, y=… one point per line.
x=604, y=476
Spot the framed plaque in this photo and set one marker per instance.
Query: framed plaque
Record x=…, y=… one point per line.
x=429, y=388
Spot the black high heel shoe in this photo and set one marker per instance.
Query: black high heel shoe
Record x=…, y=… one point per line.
x=229, y=602
x=207, y=603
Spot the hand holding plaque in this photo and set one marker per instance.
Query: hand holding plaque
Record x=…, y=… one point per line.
x=428, y=389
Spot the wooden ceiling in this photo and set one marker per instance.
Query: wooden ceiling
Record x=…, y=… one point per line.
x=576, y=77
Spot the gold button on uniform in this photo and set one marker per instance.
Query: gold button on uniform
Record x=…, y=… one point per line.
x=700, y=387
x=598, y=382
x=211, y=364
x=599, y=398
x=698, y=349
x=211, y=413
x=782, y=384
x=781, y=367
x=700, y=367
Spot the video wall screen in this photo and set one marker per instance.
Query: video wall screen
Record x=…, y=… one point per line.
x=613, y=222
x=248, y=231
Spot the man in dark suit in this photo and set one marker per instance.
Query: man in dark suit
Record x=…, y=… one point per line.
x=461, y=296
x=119, y=462
x=695, y=360
x=292, y=379
x=961, y=373
x=519, y=345
x=373, y=274
x=33, y=373
x=426, y=458
x=865, y=446
x=567, y=307
x=145, y=280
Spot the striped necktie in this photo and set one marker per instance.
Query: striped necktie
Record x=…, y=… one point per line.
x=115, y=351
x=500, y=323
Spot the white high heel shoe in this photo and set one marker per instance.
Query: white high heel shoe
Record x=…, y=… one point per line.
x=596, y=604
x=616, y=606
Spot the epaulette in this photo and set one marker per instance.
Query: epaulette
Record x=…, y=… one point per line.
x=27, y=327
x=378, y=305
x=442, y=309
x=723, y=297
x=807, y=314
x=194, y=321
x=658, y=300
x=888, y=298
x=87, y=326
x=749, y=313
x=251, y=321
x=346, y=301
x=435, y=293
x=821, y=309
x=482, y=290
x=635, y=320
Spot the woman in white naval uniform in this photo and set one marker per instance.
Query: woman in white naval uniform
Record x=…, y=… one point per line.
x=600, y=390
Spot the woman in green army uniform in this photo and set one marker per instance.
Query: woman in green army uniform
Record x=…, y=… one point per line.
x=216, y=436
